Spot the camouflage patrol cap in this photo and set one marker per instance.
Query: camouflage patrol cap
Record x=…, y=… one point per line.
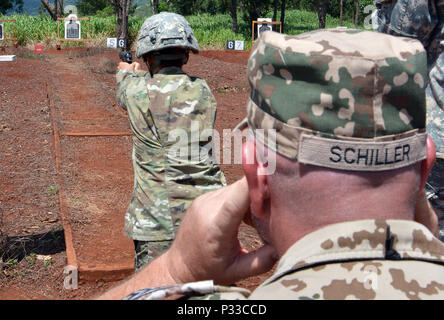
x=339, y=98
x=165, y=30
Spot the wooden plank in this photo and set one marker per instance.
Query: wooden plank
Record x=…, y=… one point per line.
x=7, y=58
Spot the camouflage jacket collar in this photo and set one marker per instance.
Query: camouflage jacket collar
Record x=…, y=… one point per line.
x=362, y=240
x=171, y=70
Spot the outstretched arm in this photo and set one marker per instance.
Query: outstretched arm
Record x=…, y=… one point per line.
x=206, y=246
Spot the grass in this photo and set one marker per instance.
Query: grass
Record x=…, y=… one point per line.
x=212, y=31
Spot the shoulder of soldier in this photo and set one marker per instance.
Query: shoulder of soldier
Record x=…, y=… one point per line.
x=130, y=81
x=129, y=76
x=362, y=280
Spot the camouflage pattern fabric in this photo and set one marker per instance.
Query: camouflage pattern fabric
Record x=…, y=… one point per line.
x=365, y=260
x=167, y=181
x=371, y=99
x=435, y=187
x=147, y=251
x=165, y=30
x=424, y=20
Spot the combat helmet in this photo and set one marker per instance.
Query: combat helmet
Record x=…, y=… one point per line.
x=165, y=30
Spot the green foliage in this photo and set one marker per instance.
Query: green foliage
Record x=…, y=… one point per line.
x=31, y=258
x=11, y=263
x=349, y=7
x=52, y=190
x=91, y=7
x=188, y=7
x=163, y=6
x=253, y=9
x=212, y=31
x=108, y=11
x=6, y=5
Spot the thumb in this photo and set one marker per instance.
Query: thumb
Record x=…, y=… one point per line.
x=236, y=206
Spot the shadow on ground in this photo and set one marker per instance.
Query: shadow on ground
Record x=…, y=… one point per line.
x=18, y=247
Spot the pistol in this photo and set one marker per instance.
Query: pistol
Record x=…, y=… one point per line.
x=126, y=56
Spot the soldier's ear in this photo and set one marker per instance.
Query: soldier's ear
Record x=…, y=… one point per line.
x=427, y=164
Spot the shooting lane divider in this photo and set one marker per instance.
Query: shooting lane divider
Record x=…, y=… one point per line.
x=88, y=273
x=94, y=134
x=63, y=209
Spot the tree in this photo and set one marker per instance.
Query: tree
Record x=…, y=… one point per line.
x=357, y=13
x=283, y=14
x=341, y=12
x=55, y=10
x=253, y=9
x=233, y=13
x=275, y=5
x=183, y=7
x=155, y=6
x=6, y=5
x=322, y=12
x=122, y=12
x=91, y=7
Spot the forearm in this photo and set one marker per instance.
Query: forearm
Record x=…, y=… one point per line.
x=154, y=274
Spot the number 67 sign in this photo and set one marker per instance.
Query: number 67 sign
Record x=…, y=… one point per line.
x=235, y=45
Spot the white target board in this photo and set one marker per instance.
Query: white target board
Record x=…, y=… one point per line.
x=263, y=27
x=73, y=29
x=2, y=36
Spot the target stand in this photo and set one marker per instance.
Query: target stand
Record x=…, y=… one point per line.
x=264, y=24
x=3, y=36
x=73, y=31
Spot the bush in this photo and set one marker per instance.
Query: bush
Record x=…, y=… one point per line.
x=212, y=31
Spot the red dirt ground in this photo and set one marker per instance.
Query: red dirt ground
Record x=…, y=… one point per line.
x=53, y=178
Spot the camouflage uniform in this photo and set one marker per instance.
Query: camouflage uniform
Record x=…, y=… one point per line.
x=329, y=99
x=424, y=20
x=351, y=260
x=170, y=168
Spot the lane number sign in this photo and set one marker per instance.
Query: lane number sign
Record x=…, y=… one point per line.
x=121, y=43
x=116, y=43
x=235, y=45
x=111, y=43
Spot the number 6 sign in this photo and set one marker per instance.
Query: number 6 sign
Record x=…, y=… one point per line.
x=230, y=45
x=121, y=43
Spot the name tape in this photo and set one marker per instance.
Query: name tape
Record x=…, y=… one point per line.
x=361, y=155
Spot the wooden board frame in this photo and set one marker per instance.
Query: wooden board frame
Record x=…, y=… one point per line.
x=263, y=22
x=59, y=39
x=15, y=31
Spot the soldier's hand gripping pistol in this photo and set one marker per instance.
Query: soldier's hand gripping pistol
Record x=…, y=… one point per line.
x=126, y=56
